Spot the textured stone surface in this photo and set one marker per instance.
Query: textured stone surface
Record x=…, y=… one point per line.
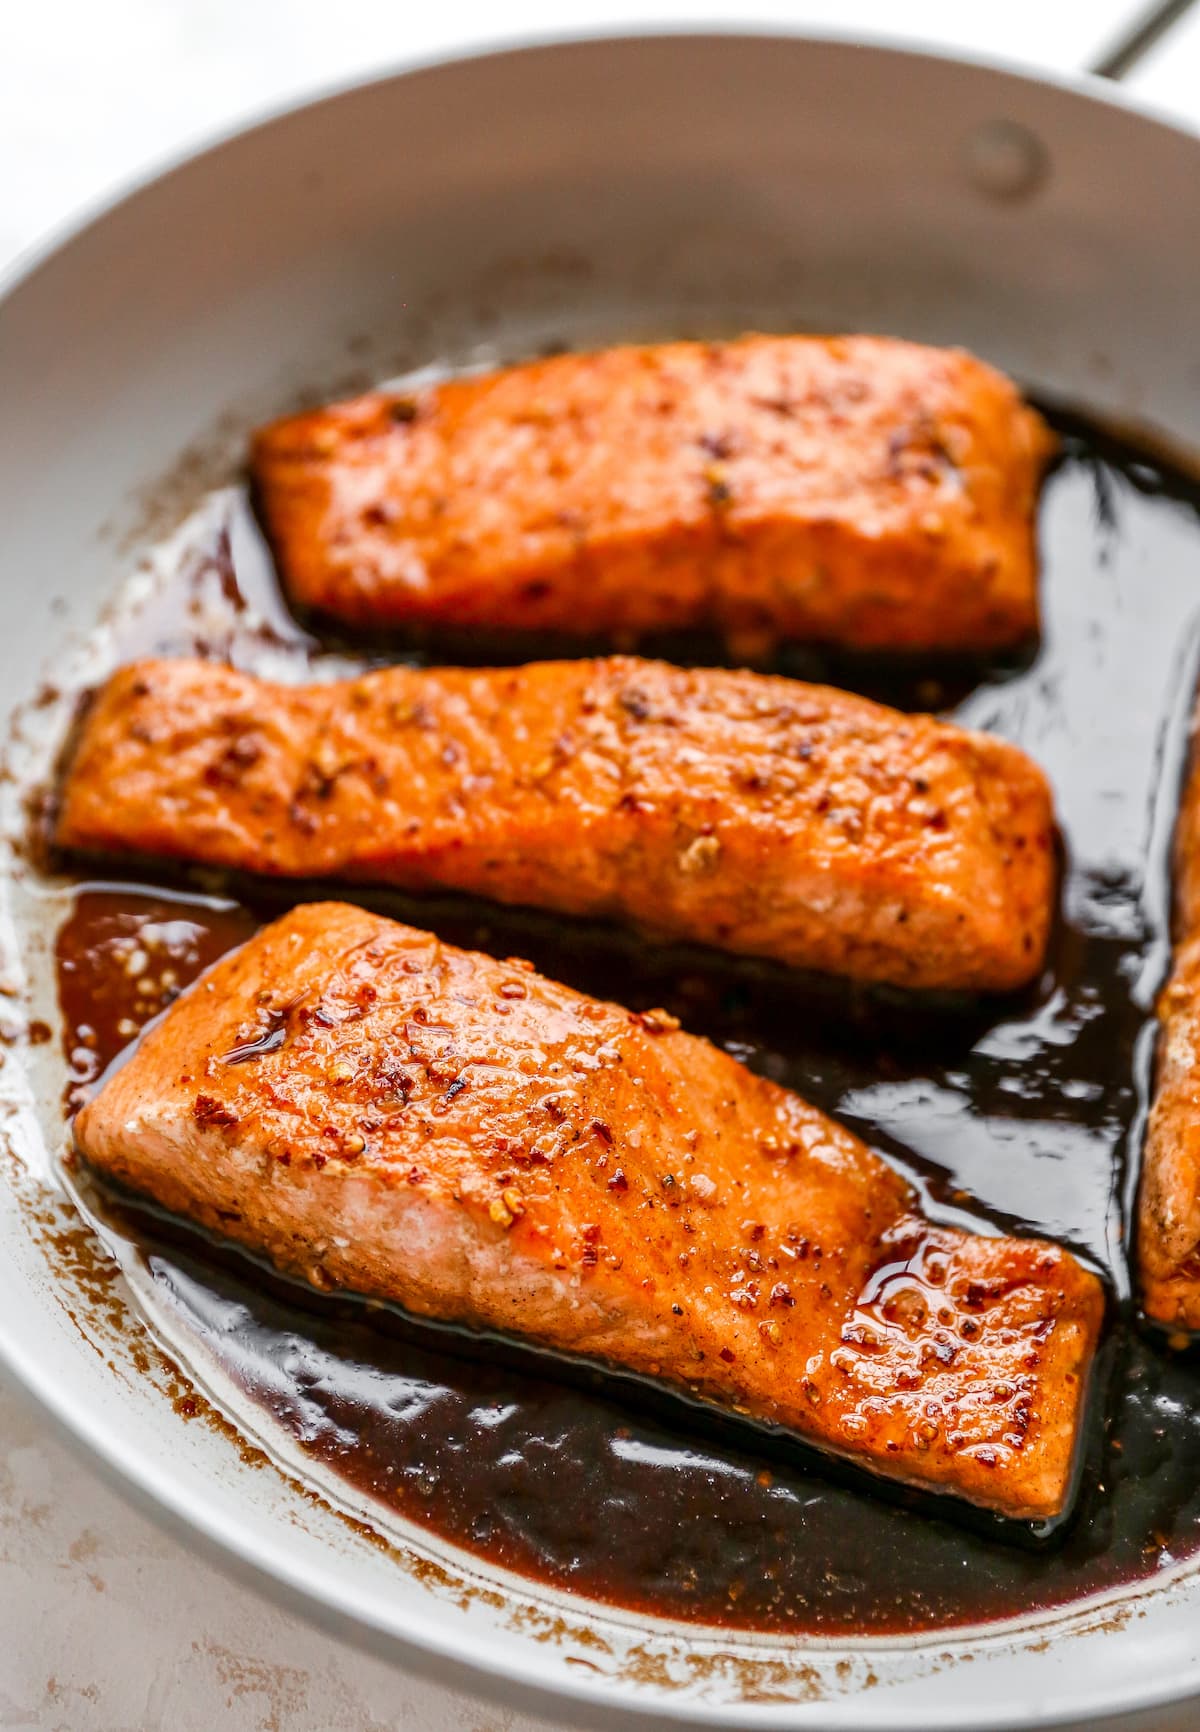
x=107, y=1624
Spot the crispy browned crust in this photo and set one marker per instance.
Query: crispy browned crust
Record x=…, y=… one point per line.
x=756, y=814
x=487, y=1147
x=852, y=490
x=1169, y=1203
x=1169, y=1213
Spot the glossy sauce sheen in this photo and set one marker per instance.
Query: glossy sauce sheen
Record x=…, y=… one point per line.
x=1023, y=1110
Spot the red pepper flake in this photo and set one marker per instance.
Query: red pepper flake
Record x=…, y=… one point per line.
x=207, y=1111
x=618, y=1182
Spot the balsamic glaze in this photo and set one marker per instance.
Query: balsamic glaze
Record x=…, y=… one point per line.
x=1026, y=1112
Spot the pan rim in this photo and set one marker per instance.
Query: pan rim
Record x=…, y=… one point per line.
x=426, y=1646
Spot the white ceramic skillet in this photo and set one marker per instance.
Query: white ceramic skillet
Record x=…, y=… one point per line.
x=588, y=191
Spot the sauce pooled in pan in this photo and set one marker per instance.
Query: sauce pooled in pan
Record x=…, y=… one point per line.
x=1027, y=1111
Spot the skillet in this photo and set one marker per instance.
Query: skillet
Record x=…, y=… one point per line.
x=458, y=211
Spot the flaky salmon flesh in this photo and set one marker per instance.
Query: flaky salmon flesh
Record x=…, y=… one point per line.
x=856, y=491
x=754, y=814
x=381, y=1112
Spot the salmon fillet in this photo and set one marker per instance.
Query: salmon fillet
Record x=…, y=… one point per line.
x=750, y=813
x=855, y=491
x=382, y=1112
x=1169, y=1205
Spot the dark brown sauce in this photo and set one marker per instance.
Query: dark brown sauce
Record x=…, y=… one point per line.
x=1026, y=1112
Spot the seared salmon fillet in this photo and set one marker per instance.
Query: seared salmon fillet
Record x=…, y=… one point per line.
x=1169, y=1210
x=856, y=491
x=1169, y=1205
x=382, y=1112
x=751, y=813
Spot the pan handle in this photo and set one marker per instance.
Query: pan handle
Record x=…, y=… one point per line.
x=1143, y=32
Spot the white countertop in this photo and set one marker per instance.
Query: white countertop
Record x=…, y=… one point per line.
x=108, y=1623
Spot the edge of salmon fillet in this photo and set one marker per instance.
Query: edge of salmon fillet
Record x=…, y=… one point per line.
x=752, y=813
x=1169, y=1202
x=1169, y=1195
x=861, y=491
x=380, y=1112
